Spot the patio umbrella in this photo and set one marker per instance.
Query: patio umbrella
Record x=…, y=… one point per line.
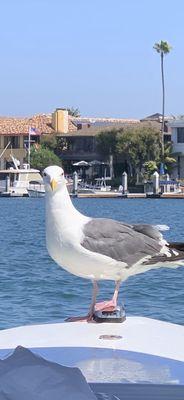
x=95, y=162
x=81, y=164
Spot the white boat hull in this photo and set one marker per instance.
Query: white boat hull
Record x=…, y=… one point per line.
x=140, y=350
x=36, y=193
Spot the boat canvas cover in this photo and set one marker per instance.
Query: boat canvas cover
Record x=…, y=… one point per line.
x=24, y=375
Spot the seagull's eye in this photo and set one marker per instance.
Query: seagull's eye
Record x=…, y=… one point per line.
x=44, y=174
x=62, y=174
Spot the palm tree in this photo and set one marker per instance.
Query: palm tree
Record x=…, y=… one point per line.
x=162, y=48
x=74, y=112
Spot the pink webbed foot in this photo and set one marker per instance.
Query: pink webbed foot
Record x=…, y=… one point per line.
x=106, y=306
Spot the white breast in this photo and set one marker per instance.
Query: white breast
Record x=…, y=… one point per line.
x=64, y=233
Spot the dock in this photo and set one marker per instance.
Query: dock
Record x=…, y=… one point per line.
x=172, y=196
x=110, y=195
x=100, y=195
x=115, y=195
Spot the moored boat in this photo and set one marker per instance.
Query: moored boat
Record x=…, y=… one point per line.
x=36, y=190
x=15, y=182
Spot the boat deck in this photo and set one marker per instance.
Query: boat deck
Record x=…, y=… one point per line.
x=138, y=350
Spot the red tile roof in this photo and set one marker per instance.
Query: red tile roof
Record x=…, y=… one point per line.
x=11, y=126
x=20, y=126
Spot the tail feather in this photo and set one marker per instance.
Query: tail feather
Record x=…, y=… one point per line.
x=176, y=245
x=174, y=255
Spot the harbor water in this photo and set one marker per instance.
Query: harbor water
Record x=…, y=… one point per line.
x=33, y=289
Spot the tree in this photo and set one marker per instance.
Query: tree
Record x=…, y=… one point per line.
x=74, y=112
x=49, y=141
x=162, y=48
x=106, y=142
x=139, y=145
x=150, y=167
x=168, y=159
x=42, y=157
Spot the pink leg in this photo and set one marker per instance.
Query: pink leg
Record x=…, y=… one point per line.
x=111, y=304
x=89, y=316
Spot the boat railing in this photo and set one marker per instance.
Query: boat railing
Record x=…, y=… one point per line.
x=101, y=185
x=20, y=184
x=37, y=186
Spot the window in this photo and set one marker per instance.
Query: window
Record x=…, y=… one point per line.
x=13, y=140
x=180, y=135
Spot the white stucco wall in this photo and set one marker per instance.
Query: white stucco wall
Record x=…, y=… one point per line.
x=176, y=147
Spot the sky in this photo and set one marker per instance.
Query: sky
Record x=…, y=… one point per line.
x=95, y=55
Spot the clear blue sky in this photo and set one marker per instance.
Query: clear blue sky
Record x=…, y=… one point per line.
x=96, y=55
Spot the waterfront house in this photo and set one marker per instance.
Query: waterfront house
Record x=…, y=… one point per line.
x=177, y=129
x=79, y=143
x=14, y=137
x=76, y=135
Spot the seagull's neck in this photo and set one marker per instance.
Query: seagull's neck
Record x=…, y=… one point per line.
x=61, y=208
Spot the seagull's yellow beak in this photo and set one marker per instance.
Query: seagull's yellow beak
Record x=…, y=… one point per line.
x=53, y=184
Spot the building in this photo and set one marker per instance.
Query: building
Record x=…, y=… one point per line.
x=79, y=143
x=14, y=136
x=77, y=135
x=177, y=132
x=157, y=118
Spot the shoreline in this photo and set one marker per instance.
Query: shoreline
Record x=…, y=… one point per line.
x=130, y=195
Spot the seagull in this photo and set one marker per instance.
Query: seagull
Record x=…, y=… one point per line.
x=100, y=248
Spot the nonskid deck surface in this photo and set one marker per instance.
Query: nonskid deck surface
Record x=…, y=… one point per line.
x=140, y=350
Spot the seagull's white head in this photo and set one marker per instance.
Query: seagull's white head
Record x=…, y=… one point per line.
x=54, y=179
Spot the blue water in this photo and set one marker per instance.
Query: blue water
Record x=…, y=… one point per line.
x=33, y=289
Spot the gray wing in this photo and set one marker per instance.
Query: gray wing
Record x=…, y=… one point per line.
x=122, y=242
